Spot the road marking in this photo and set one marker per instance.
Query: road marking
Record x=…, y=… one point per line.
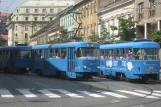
x=157, y=91
x=49, y=94
x=135, y=93
x=112, y=94
x=6, y=94
x=27, y=93
x=69, y=93
x=146, y=92
x=91, y=94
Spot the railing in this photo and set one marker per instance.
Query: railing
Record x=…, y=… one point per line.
x=152, y=13
x=140, y=15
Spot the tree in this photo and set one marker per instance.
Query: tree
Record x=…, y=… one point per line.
x=156, y=36
x=64, y=37
x=105, y=37
x=54, y=41
x=126, y=30
x=94, y=37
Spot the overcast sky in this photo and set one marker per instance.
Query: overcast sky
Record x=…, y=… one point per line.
x=9, y=5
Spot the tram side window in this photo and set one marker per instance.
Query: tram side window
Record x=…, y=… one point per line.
x=147, y=54
x=129, y=54
x=51, y=53
x=39, y=54
x=122, y=54
x=63, y=53
x=110, y=54
x=1, y=54
x=23, y=54
x=116, y=54
x=106, y=54
x=102, y=54
x=57, y=55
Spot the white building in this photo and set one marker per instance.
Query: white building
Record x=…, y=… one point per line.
x=110, y=13
x=31, y=16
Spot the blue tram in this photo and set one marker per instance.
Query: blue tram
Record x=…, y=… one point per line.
x=136, y=60
x=15, y=59
x=71, y=60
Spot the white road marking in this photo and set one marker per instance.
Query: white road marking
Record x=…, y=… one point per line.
x=49, y=94
x=147, y=92
x=157, y=92
x=135, y=93
x=112, y=94
x=27, y=93
x=69, y=93
x=6, y=94
x=91, y=94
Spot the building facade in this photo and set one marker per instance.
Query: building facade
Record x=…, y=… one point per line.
x=86, y=17
x=147, y=17
x=110, y=13
x=47, y=33
x=67, y=20
x=31, y=16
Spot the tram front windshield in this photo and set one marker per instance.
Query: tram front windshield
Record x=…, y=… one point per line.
x=83, y=53
x=23, y=54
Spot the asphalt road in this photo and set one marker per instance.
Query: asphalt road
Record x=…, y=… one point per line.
x=35, y=91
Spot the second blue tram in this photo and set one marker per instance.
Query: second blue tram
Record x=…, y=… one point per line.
x=136, y=60
x=15, y=59
x=72, y=60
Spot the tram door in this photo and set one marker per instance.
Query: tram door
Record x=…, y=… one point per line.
x=71, y=60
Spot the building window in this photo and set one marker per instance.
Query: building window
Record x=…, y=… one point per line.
x=26, y=27
x=16, y=18
x=91, y=9
x=36, y=10
x=35, y=18
x=16, y=28
x=26, y=18
x=43, y=18
x=140, y=10
x=44, y=10
x=152, y=8
x=88, y=10
x=95, y=7
x=26, y=36
x=27, y=10
x=51, y=10
x=16, y=35
x=17, y=10
x=152, y=4
x=51, y=18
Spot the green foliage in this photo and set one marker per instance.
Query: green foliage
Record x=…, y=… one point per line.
x=94, y=37
x=156, y=36
x=54, y=41
x=126, y=30
x=63, y=35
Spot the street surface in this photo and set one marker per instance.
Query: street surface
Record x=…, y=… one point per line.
x=30, y=90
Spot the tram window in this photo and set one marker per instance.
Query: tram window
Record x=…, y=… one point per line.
x=146, y=54
x=51, y=53
x=57, y=55
x=129, y=54
x=110, y=54
x=122, y=54
x=23, y=54
x=116, y=54
x=63, y=53
x=102, y=54
x=106, y=54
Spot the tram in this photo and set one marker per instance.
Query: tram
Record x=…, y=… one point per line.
x=15, y=59
x=67, y=60
x=135, y=60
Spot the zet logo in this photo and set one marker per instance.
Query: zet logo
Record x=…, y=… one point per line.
x=129, y=66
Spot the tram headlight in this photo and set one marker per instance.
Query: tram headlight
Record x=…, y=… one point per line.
x=85, y=67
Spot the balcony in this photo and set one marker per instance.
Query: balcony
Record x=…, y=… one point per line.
x=140, y=16
x=152, y=13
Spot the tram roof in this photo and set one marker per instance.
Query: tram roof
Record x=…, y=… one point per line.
x=134, y=44
x=15, y=48
x=65, y=45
